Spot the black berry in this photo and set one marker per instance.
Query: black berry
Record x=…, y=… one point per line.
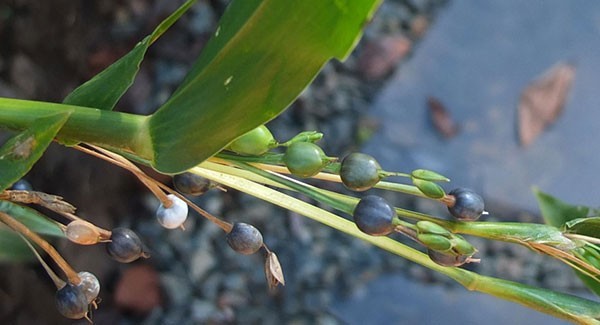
x=192, y=184
x=447, y=259
x=244, y=238
x=468, y=205
x=359, y=171
x=374, y=216
x=71, y=302
x=125, y=245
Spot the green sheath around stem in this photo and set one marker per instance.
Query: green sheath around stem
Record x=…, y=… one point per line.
x=123, y=131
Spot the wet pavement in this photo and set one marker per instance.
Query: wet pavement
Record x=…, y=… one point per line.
x=476, y=59
x=397, y=300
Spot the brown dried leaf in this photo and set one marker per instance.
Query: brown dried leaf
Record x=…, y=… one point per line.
x=543, y=100
x=273, y=271
x=441, y=119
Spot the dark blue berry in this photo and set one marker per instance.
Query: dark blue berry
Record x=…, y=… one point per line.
x=374, y=216
x=192, y=184
x=244, y=238
x=125, y=245
x=71, y=302
x=359, y=171
x=468, y=205
x=22, y=185
x=447, y=259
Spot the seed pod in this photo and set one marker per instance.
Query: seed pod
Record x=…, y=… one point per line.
x=435, y=242
x=71, y=302
x=428, y=175
x=429, y=188
x=173, y=216
x=428, y=227
x=305, y=159
x=82, y=232
x=461, y=246
x=359, y=172
x=374, y=216
x=244, y=238
x=254, y=143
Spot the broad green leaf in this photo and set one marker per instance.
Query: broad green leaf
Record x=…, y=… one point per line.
x=12, y=247
x=584, y=226
x=260, y=58
x=105, y=89
x=557, y=212
x=20, y=152
x=34, y=220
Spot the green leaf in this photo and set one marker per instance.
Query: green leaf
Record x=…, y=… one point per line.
x=261, y=57
x=105, y=89
x=584, y=226
x=34, y=220
x=12, y=247
x=20, y=152
x=557, y=212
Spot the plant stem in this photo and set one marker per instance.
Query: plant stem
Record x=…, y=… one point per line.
x=22, y=229
x=123, y=131
x=554, y=303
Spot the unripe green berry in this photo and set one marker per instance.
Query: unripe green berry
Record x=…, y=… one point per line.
x=305, y=159
x=254, y=143
x=359, y=171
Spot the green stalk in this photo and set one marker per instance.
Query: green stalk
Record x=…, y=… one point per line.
x=122, y=131
x=514, y=232
x=561, y=305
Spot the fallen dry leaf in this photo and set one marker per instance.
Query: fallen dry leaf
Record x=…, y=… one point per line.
x=441, y=119
x=543, y=100
x=380, y=56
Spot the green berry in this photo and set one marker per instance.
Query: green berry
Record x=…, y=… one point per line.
x=254, y=143
x=305, y=159
x=244, y=238
x=359, y=171
x=468, y=205
x=192, y=184
x=71, y=301
x=374, y=216
x=125, y=246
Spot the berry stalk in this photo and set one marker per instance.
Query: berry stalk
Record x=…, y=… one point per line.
x=49, y=249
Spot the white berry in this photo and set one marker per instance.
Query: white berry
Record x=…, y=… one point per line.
x=90, y=285
x=173, y=216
